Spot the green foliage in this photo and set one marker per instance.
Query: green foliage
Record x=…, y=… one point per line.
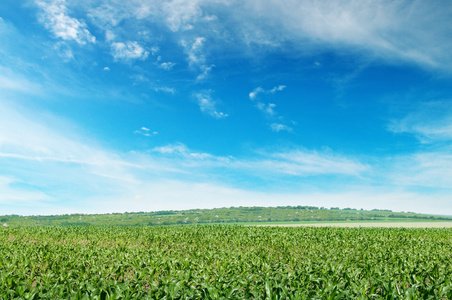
x=223, y=215
x=224, y=262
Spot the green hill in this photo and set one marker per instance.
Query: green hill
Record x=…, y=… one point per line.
x=240, y=215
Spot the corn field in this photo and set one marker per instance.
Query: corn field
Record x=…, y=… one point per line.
x=224, y=262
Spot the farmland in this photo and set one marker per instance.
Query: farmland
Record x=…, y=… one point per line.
x=225, y=262
x=227, y=215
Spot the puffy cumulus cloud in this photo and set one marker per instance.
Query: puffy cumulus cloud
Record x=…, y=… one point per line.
x=208, y=106
x=55, y=17
x=129, y=50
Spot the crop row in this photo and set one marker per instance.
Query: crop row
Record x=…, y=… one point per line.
x=225, y=262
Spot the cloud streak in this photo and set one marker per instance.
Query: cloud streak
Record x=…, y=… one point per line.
x=280, y=127
x=429, y=122
x=166, y=173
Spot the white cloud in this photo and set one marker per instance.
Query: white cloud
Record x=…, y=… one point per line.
x=165, y=89
x=394, y=31
x=253, y=95
x=55, y=18
x=429, y=122
x=308, y=163
x=424, y=169
x=280, y=127
x=13, y=196
x=391, y=30
x=180, y=14
x=166, y=65
x=129, y=50
x=196, y=57
x=155, y=50
x=255, y=92
x=45, y=154
x=64, y=51
x=266, y=108
x=205, y=70
x=11, y=81
x=106, y=69
x=145, y=131
x=207, y=105
x=109, y=36
x=182, y=151
x=172, y=149
x=277, y=89
x=298, y=162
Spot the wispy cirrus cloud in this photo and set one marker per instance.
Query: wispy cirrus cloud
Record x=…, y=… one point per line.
x=394, y=32
x=182, y=151
x=277, y=127
x=157, y=178
x=430, y=165
x=430, y=122
x=299, y=162
x=426, y=169
x=11, y=81
x=55, y=17
x=196, y=57
x=259, y=90
x=208, y=106
x=390, y=30
x=302, y=162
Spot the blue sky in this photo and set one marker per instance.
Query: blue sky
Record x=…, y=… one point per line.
x=113, y=106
